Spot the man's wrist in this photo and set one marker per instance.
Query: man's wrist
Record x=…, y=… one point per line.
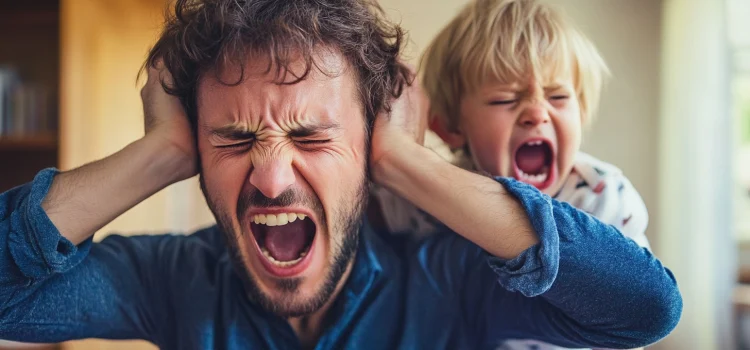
x=167, y=164
x=398, y=170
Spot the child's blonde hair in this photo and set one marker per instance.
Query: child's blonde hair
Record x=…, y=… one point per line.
x=509, y=41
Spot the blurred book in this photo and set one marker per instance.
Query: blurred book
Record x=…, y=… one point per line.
x=25, y=107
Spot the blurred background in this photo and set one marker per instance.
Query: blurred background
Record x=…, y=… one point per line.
x=675, y=118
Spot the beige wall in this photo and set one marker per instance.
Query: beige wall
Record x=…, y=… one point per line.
x=103, y=47
x=628, y=35
x=695, y=170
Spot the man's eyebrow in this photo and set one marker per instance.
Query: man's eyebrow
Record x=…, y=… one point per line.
x=233, y=132
x=312, y=129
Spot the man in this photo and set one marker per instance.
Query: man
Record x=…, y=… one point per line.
x=282, y=107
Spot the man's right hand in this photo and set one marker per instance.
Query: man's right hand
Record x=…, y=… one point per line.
x=81, y=201
x=165, y=120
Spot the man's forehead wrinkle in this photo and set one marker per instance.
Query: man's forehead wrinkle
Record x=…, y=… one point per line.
x=260, y=104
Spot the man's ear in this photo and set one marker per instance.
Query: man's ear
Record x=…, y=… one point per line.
x=453, y=139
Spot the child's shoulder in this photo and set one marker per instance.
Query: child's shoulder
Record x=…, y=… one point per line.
x=602, y=190
x=593, y=169
x=594, y=178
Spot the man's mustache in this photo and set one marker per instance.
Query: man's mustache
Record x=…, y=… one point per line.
x=256, y=198
x=291, y=197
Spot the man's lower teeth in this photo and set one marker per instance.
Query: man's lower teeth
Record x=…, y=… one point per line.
x=284, y=263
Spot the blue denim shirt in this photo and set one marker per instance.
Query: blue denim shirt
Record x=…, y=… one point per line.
x=583, y=285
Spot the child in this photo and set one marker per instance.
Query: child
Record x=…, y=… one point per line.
x=511, y=84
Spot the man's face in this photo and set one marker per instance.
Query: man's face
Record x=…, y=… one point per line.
x=284, y=172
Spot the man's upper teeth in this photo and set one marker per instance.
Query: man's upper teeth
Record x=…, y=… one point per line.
x=534, y=143
x=277, y=219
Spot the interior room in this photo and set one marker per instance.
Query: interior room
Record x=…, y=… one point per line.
x=674, y=117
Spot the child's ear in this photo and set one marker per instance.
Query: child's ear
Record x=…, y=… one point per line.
x=453, y=139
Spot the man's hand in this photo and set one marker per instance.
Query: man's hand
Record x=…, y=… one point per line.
x=83, y=200
x=404, y=125
x=472, y=205
x=165, y=120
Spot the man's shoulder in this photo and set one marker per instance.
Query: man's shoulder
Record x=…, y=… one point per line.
x=204, y=244
x=209, y=237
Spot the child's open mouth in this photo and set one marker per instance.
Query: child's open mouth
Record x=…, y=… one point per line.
x=534, y=163
x=285, y=241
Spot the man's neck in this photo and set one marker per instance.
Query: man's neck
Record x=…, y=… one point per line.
x=309, y=328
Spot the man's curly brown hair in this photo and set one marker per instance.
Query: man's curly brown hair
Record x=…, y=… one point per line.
x=201, y=35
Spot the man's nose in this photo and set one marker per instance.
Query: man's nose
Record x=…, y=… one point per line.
x=533, y=115
x=272, y=176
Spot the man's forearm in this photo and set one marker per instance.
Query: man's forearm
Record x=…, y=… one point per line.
x=472, y=205
x=83, y=200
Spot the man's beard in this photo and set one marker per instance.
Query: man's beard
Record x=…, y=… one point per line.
x=345, y=224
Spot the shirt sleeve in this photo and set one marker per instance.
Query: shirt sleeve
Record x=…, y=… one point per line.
x=583, y=285
x=52, y=290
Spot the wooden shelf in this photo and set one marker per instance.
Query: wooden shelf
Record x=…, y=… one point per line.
x=45, y=18
x=42, y=142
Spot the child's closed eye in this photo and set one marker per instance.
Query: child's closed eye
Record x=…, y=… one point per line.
x=559, y=97
x=559, y=100
x=502, y=102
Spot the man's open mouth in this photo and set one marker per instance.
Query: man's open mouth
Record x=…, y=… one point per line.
x=534, y=163
x=284, y=239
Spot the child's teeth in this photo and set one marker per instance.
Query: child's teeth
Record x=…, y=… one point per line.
x=534, y=178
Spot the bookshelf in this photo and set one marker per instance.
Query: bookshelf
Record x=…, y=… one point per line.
x=38, y=142
x=29, y=89
x=30, y=50
x=90, y=51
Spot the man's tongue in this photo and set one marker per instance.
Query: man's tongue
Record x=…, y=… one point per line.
x=531, y=159
x=285, y=243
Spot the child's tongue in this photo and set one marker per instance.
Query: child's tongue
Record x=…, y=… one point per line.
x=285, y=243
x=531, y=159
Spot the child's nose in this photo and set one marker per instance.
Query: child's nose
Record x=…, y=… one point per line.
x=533, y=116
x=272, y=176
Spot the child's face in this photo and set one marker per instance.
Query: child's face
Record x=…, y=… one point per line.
x=528, y=131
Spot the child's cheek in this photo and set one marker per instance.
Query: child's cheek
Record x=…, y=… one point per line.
x=491, y=158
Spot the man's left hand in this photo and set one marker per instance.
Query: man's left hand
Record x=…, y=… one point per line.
x=405, y=125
